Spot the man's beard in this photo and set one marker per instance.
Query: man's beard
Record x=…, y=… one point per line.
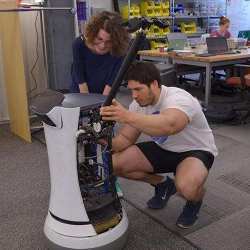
x=150, y=100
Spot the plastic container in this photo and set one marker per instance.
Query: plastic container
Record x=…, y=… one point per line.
x=134, y=11
x=154, y=30
x=188, y=27
x=147, y=8
x=158, y=9
x=158, y=45
x=165, y=8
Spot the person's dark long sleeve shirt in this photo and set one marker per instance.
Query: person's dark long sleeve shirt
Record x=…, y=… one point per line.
x=95, y=70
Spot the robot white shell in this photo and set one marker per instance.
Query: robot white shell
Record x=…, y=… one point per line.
x=84, y=209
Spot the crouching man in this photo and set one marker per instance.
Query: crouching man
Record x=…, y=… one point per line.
x=180, y=141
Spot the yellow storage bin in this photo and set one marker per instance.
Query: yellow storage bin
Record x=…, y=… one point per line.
x=158, y=9
x=188, y=27
x=147, y=8
x=154, y=31
x=165, y=31
x=156, y=45
x=165, y=6
x=134, y=11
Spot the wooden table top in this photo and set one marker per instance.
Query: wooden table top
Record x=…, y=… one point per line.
x=152, y=52
x=192, y=57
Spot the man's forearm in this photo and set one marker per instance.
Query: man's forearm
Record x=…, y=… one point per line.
x=154, y=125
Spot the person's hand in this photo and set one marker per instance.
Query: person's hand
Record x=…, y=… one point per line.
x=83, y=88
x=115, y=112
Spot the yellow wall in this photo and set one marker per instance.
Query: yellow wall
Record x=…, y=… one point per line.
x=4, y=115
x=14, y=75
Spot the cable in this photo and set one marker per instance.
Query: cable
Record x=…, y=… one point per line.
x=158, y=221
x=36, y=60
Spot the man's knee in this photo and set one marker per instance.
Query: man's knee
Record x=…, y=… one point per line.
x=190, y=177
x=189, y=190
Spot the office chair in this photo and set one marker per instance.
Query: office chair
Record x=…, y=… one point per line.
x=233, y=111
x=242, y=84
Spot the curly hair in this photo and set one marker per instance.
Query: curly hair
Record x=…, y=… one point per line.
x=111, y=22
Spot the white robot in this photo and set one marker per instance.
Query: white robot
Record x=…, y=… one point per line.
x=84, y=209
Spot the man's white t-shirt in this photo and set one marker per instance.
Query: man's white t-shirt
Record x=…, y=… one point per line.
x=197, y=135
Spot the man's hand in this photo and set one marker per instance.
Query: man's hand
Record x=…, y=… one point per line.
x=115, y=112
x=83, y=87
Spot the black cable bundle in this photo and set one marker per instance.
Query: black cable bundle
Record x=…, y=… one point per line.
x=131, y=55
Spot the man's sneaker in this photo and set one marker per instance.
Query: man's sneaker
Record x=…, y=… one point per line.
x=163, y=191
x=118, y=189
x=189, y=215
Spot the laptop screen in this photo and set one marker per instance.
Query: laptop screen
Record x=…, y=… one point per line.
x=216, y=44
x=177, y=44
x=244, y=34
x=176, y=41
x=176, y=35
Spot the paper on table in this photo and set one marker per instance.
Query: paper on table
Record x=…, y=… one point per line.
x=184, y=51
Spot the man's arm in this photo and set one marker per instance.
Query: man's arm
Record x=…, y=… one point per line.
x=168, y=122
x=126, y=137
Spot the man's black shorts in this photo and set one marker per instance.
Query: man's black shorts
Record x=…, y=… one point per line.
x=164, y=161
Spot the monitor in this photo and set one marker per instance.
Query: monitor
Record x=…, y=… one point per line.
x=244, y=34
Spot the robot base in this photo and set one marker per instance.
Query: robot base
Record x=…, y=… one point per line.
x=113, y=239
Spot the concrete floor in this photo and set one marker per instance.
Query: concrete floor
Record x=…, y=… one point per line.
x=224, y=221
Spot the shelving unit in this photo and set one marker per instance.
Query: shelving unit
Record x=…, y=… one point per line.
x=200, y=11
x=194, y=17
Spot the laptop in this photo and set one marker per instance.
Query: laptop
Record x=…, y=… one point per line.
x=177, y=44
x=244, y=34
x=217, y=46
x=176, y=41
